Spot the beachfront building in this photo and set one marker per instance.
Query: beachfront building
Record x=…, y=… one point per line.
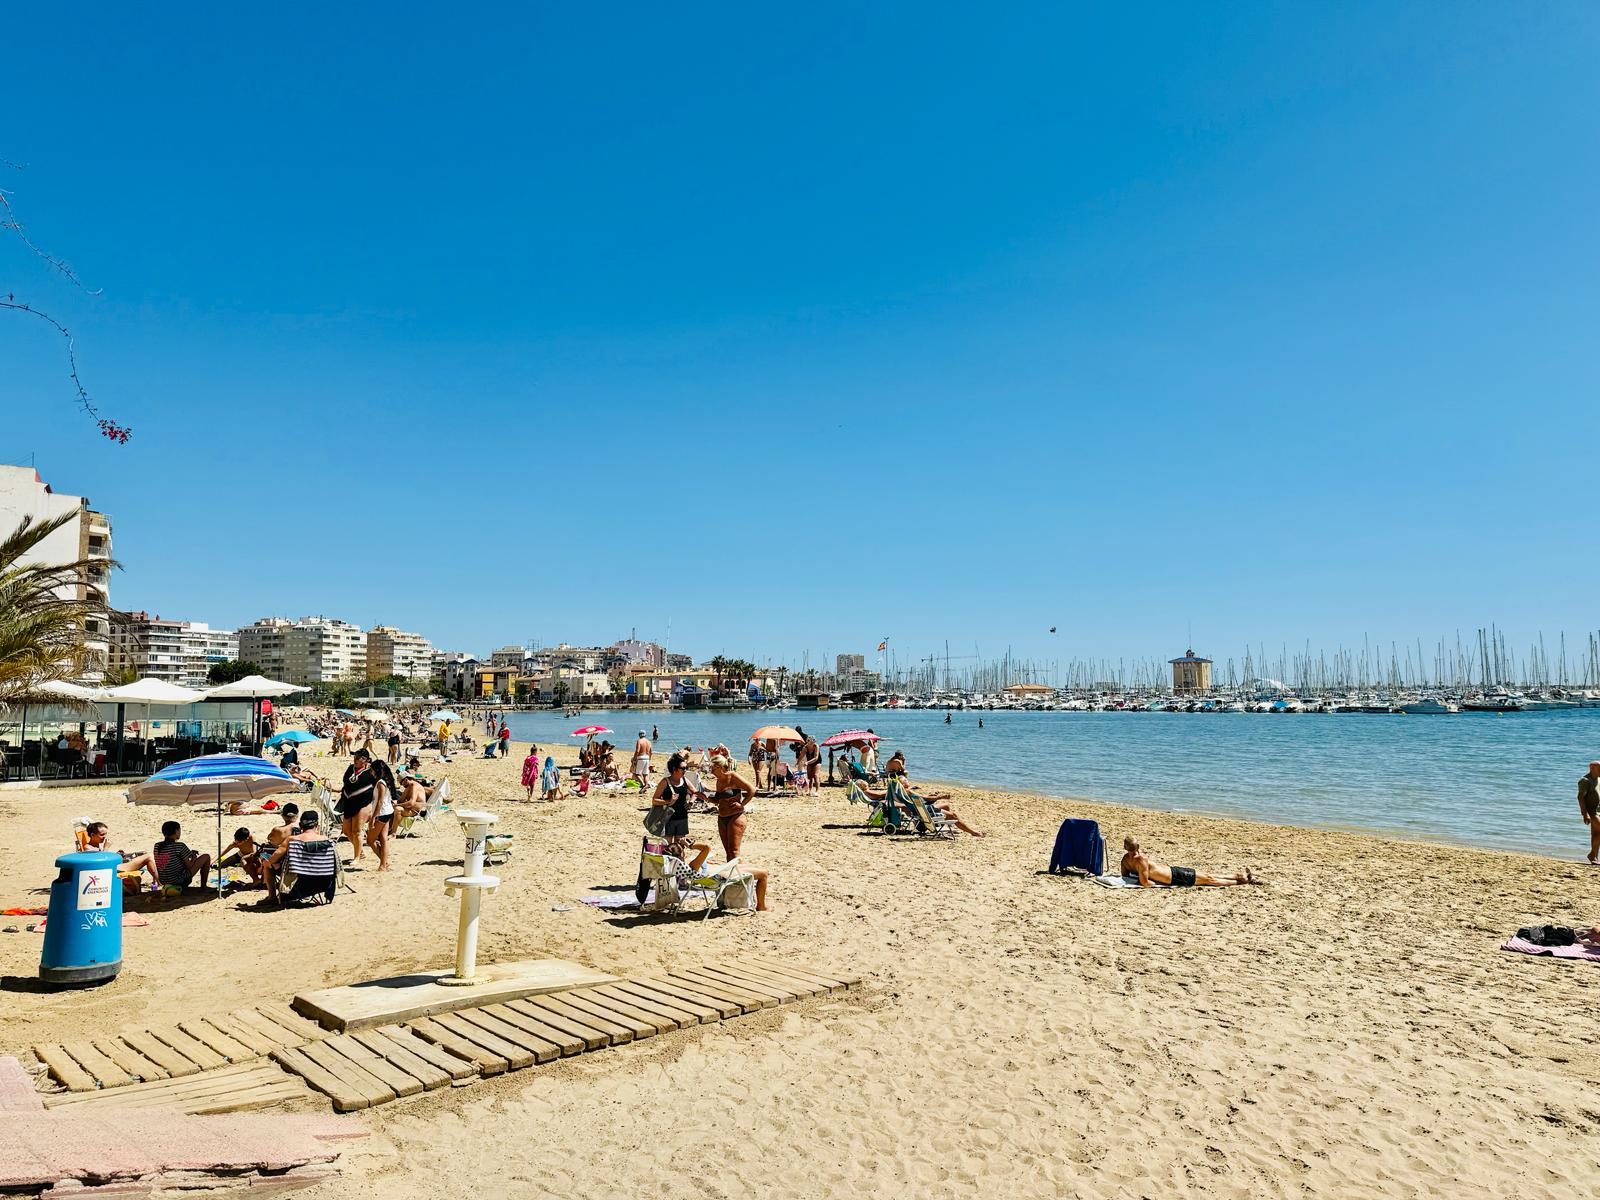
x=1030, y=691
x=310, y=650
x=460, y=673
x=178, y=652
x=1191, y=675
x=636, y=653
x=86, y=536
x=843, y=664
x=393, y=651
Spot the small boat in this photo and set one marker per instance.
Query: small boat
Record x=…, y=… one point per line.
x=1426, y=707
x=1498, y=701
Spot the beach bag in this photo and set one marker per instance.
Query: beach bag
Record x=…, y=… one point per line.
x=739, y=893
x=655, y=821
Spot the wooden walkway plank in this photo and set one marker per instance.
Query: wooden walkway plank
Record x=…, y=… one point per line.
x=542, y=1049
x=642, y=1023
x=648, y=1006
x=686, y=1010
x=175, y=1064
x=130, y=1060
x=203, y=1057
x=245, y=1035
x=614, y=1034
x=517, y=1056
x=835, y=979
x=782, y=995
x=91, y=1060
x=399, y=1081
x=345, y=1098
x=375, y=1090
x=64, y=1067
x=168, y=1091
x=591, y=1038
x=265, y=1030
x=262, y=1095
x=487, y=1063
x=725, y=1008
x=209, y=1035
x=721, y=987
x=458, y=1070
x=809, y=987
x=414, y=1065
x=292, y=1022
x=566, y=1044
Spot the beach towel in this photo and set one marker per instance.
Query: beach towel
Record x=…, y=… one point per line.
x=1121, y=881
x=611, y=900
x=1581, y=950
x=530, y=771
x=1079, y=847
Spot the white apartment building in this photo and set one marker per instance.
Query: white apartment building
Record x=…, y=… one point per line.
x=180, y=652
x=24, y=494
x=310, y=650
x=394, y=652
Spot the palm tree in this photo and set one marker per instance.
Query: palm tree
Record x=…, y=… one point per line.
x=43, y=609
x=718, y=666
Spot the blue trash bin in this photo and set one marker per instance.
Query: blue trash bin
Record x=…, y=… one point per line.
x=83, y=933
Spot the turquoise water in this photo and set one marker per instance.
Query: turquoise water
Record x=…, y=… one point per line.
x=1503, y=781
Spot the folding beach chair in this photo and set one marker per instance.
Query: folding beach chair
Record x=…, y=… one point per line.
x=927, y=820
x=311, y=869
x=673, y=883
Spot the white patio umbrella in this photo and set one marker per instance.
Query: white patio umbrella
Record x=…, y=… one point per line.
x=151, y=693
x=254, y=688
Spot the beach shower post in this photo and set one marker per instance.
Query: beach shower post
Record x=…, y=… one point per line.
x=470, y=886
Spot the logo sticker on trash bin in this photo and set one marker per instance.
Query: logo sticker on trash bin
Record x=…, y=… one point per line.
x=94, y=888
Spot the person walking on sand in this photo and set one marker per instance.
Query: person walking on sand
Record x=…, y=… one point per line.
x=1151, y=873
x=505, y=740
x=642, y=751
x=1589, y=809
x=530, y=771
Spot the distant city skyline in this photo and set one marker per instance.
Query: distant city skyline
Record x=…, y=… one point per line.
x=779, y=333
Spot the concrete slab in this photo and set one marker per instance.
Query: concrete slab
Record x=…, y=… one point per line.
x=405, y=997
x=17, y=1092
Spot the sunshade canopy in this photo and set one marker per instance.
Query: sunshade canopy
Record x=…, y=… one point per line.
x=153, y=691
x=849, y=737
x=775, y=733
x=213, y=777
x=252, y=687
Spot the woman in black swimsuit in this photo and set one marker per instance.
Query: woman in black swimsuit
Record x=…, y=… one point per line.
x=732, y=795
x=674, y=790
x=360, y=789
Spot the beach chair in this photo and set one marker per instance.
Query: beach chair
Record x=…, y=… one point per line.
x=311, y=869
x=1079, y=847
x=926, y=819
x=673, y=883
x=855, y=795
x=438, y=808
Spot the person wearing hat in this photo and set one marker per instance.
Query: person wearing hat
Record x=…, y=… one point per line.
x=358, y=793
x=642, y=750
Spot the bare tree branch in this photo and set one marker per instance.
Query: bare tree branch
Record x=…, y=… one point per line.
x=11, y=223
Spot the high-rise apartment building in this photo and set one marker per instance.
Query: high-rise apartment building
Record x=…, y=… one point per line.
x=395, y=652
x=310, y=650
x=86, y=536
x=843, y=664
x=180, y=652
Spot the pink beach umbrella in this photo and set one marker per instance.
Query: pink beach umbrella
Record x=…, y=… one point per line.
x=851, y=736
x=589, y=731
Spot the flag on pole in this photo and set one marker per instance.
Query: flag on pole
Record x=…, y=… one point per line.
x=883, y=645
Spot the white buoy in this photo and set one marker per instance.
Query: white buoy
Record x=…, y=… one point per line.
x=470, y=885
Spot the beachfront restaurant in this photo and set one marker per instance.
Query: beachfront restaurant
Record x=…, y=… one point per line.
x=106, y=738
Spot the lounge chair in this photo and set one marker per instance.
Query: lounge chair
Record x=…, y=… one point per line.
x=926, y=819
x=673, y=883
x=438, y=807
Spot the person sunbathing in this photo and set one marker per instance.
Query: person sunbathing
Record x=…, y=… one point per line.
x=1151, y=874
x=934, y=800
x=96, y=836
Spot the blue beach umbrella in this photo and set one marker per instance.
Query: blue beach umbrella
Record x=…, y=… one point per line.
x=444, y=714
x=291, y=735
x=222, y=777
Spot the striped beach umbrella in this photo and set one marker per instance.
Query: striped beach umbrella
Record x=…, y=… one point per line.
x=220, y=777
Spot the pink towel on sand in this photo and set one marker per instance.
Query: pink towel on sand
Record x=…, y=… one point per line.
x=129, y=921
x=1579, y=950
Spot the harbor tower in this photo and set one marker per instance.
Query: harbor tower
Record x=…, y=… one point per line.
x=1191, y=675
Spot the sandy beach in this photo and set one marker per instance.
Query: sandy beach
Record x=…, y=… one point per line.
x=1350, y=1029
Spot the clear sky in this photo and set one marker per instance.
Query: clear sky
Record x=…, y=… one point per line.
x=798, y=328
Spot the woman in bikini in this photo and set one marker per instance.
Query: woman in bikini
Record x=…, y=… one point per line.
x=732, y=795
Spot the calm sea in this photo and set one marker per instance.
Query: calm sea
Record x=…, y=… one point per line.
x=1503, y=781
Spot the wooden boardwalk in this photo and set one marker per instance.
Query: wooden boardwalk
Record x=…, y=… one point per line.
x=374, y=1066
x=268, y=1054
x=169, y=1052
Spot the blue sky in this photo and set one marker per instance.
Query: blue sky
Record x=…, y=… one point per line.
x=1273, y=322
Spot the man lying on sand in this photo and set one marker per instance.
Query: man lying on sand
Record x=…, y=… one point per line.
x=1152, y=873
